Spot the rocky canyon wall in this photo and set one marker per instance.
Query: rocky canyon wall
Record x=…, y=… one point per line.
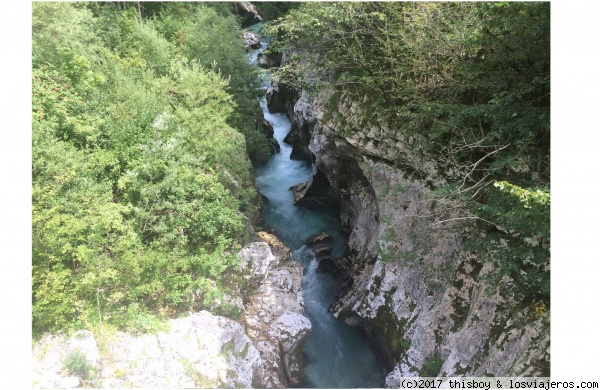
x=262, y=348
x=423, y=300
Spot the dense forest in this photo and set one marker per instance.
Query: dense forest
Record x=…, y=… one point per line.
x=144, y=129
x=468, y=85
x=142, y=188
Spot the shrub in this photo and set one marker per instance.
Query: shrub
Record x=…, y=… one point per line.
x=77, y=364
x=431, y=367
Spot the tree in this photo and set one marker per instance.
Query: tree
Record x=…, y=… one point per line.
x=141, y=188
x=469, y=83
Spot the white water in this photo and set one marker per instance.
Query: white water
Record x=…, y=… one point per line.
x=336, y=355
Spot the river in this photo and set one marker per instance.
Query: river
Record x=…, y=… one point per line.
x=336, y=355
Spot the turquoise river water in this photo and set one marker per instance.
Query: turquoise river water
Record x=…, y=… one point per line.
x=336, y=355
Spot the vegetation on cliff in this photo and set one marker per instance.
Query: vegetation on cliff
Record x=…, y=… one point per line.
x=142, y=190
x=469, y=83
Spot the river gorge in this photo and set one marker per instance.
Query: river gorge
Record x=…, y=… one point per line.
x=336, y=355
x=342, y=196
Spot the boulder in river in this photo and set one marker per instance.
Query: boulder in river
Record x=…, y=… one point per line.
x=251, y=40
x=320, y=245
x=265, y=127
x=263, y=61
x=289, y=138
x=318, y=240
x=275, y=147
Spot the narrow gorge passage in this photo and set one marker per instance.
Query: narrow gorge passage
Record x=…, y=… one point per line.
x=336, y=355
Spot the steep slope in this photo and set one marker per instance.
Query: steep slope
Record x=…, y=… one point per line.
x=424, y=299
x=261, y=349
x=430, y=123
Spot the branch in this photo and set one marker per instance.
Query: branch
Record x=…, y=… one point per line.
x=470, y=188
x=478, y=162
x=460, y=218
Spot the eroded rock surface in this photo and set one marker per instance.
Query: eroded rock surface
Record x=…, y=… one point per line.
x=247, y=12
x=276, y=96
x=51, y=352
x=263, y=349
x=273, y=315
x=251, y=40
x=201, y=350
x=408, y=281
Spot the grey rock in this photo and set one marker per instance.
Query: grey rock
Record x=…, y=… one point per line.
x=275, y=147
x=277, y=97
x=424, y=303
x=274, y=319
x=198, y=350
x=201, y=350
x=50, y=352
x=257, y=260
x=290, y=329
x=264, y=61
x=251, y=40
x=316, y=190
x=265, y=127
x=247, y=12
x=289, y=138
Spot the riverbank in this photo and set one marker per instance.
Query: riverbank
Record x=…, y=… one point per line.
x=335, y=353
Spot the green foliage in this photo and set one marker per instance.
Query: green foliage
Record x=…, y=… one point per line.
x=400, y=345
x=468, y=85
x=63, y=36
x=431, y=367
x=207, y=35
x=519, y=242
x=77, y=364
x=274, y=10
x=141, y=184
x=150, y=47
x=465, y=78
x=137, y=320
x=530, y=198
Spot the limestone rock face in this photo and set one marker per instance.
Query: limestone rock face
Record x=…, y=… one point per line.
x=303, y=120
x=316, y=190
x=407, y=281
x=278, y=249
x=247, y=12
x=273, y=315
x=50, y=353
x=276, y=96
x=263, y=349
x=290, y=329
x=201, y=350
x=257, y=261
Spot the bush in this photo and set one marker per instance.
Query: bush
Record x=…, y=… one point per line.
x=77, y=364
x=140, y=180
x=431, y=367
